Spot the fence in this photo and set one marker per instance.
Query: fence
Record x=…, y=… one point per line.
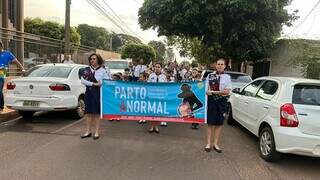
x=40, y=49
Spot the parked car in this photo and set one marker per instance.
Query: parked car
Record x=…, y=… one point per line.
x=116, y=65
x=31, y=62
x=282, y=112
x=48, y=87
x=238, y=79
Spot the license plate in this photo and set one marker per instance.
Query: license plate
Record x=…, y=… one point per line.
x=31, y=103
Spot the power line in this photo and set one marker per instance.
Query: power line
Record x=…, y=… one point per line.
x=137, y=2
x=312, y=23
x=120, y=20
x=101, y=10
x=305, y=18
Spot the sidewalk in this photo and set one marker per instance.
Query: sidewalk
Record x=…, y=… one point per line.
x=8, y=114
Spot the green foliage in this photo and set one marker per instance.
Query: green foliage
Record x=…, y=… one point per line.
x=49, y=29
x=194, y=64
x=119, y=40
x=193, y=48
x=160, y=49
x=93, y=36
x=239, y=29
x=137, y=52
x=169, y=54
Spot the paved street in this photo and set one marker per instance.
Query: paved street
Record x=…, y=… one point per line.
x=50, y=148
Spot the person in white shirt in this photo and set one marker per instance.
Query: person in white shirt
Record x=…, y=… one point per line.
x=68, y=60
x=92, y=77
x=186, y=68
x=138, y=69
x=157, y=77
x=219, y=86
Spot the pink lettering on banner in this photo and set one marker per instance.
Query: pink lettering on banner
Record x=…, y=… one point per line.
x=154, y=118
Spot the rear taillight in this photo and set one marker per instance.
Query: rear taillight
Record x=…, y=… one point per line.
x=59, y=87
x=11, y=86
x=288, y=116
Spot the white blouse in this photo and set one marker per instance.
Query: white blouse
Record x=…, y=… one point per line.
x=138, y=69
x=99, y=74
x=161, y=78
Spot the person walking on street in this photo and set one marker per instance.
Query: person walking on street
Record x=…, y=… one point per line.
x=6, y=57
x=157, y=77
x=92, y=77
x=219, y=86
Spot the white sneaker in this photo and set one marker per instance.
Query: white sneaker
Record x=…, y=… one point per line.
x=163, y=123
x=142, y=122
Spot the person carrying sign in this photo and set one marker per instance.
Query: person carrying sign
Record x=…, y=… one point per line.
x=6, y=57
x=156, y=77
x=92, y=77
x=219, y=86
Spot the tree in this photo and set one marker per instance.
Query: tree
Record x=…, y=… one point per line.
x=93, y=36
x=169, y=54
x=160, y=49
x=193, y=48
x=119, y=40
x=137, y=52
x=239, y=29
x=49, y=29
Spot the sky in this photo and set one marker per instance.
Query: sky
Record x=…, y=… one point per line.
x=127, y=10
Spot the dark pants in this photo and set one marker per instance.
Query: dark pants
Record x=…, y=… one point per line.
x=135, y=79
x=1, y=93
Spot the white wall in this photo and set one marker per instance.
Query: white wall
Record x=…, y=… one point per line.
x=283, y=67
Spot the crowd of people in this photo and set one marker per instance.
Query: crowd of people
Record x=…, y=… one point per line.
x=219, y=86
x=173, y=72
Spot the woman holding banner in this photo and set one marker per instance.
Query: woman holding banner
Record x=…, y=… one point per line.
x=219, y=86
x=156, y=77
x=92, y=77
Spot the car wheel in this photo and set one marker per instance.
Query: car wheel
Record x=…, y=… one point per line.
x=79, y=111
x=267, y=147
x=229, y=116
x=26, y=114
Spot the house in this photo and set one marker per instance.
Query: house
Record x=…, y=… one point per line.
x=289, y=58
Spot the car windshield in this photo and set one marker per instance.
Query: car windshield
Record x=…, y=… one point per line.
x=116, y=64
x=306, y=94
x=241, y=78
x=49, y=71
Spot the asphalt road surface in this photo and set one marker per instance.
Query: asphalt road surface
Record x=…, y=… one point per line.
x=50, y=148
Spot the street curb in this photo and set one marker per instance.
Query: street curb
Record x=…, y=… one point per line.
x=8, y=116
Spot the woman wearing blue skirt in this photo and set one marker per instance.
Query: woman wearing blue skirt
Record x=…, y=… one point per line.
x=219, y=86
x=92, y=77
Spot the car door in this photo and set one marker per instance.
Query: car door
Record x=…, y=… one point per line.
x=242, y=105
x=306, y=101
x=262, y=103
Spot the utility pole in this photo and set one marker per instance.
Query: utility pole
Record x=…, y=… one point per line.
x=111, y=43
x=67, y=29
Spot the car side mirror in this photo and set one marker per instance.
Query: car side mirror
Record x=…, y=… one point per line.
x=236, y=90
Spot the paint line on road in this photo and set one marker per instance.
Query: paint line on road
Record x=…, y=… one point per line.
x=67, y=126
x=10, y=121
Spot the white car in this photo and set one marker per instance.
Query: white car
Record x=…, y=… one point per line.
x=47, y=87
x=283, y=112
x=116, y=65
